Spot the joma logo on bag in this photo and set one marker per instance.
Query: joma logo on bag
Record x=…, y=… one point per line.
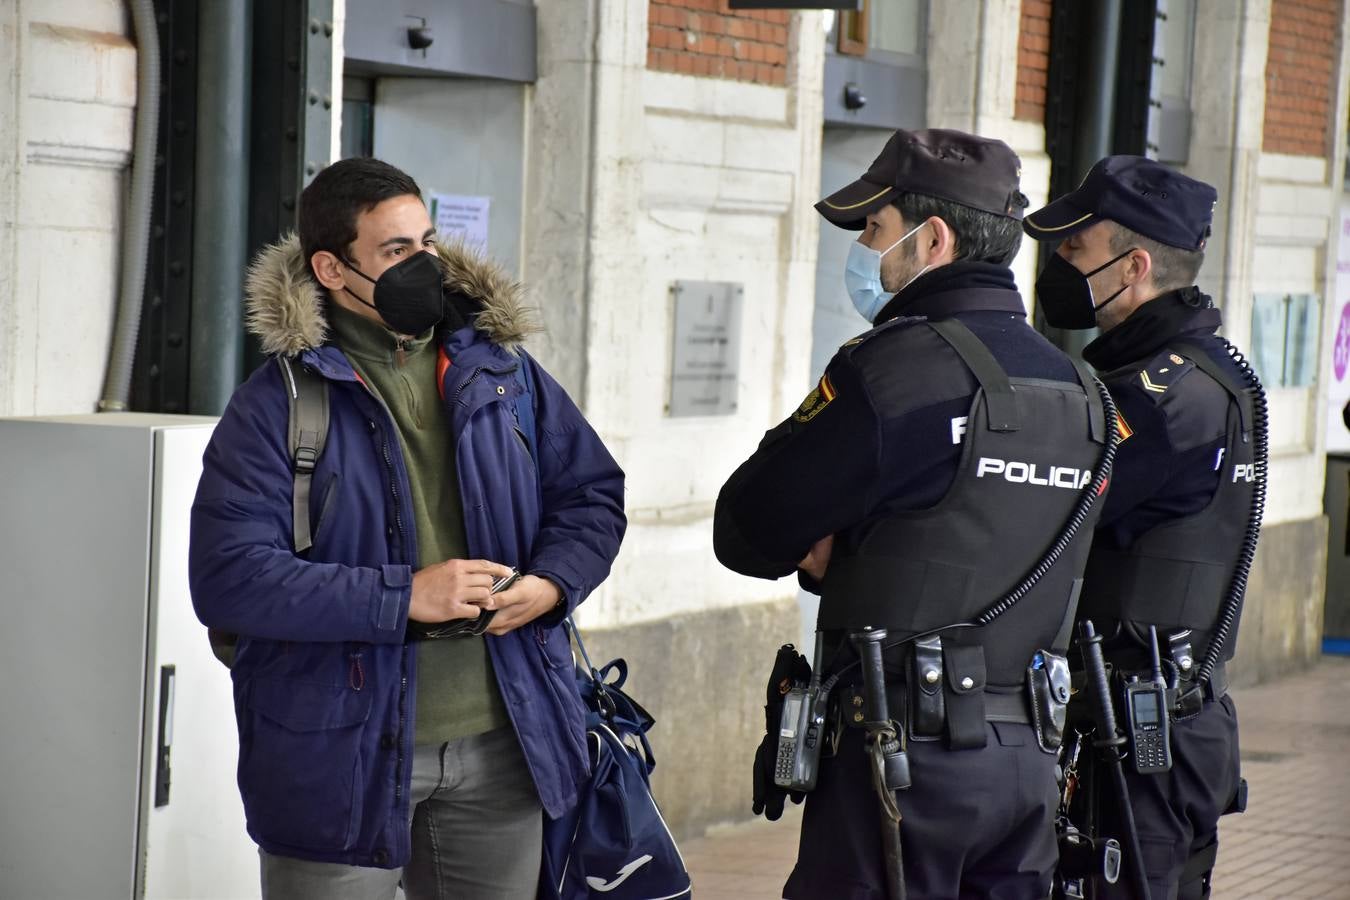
x=1027, y=473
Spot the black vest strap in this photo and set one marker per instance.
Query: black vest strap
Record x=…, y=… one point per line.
x=1237, y=390
x=1062, y=637
x=1096, y=414
x=1000, y=403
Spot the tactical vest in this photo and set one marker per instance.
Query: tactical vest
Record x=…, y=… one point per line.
x=1030, y=449
x=1177, y=574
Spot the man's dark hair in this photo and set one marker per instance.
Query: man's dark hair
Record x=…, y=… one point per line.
x=1173, y=267
x=335, y=198
x=980, y=236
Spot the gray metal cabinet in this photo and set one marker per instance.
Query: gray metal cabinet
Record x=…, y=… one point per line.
x=103, y=666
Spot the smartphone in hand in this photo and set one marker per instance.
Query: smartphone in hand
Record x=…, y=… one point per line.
x=468, y=627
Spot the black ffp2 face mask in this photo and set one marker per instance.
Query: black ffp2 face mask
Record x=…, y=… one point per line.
x=410, y=295
x=1065, y=296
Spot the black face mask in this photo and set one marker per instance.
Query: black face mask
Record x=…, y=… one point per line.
x=409, y=296
x=1065, y=297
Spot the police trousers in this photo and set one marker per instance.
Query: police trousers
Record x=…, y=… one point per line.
x=1177, y=812
x=976, y=823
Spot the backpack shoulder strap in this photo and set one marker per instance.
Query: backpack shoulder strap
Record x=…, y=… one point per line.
x=307, y=431
x=307, y=428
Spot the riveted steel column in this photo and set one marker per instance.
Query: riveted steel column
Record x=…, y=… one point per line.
x=1097, y=85
x=219, y=227
x=292, y=117
x=160, y=374
x=1080, y=111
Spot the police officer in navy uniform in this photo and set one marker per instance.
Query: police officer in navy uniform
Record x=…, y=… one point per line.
x=1179, y=514
x=937, y=459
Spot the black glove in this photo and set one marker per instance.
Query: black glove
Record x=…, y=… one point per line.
x=789, y=667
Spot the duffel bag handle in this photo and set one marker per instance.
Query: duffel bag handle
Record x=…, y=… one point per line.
x=610, y=700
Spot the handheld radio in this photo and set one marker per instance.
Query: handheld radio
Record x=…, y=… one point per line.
x=801, y=731
x=1146, y=719
x=1146, y=722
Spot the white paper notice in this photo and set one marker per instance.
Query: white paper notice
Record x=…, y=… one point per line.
x=458, y=217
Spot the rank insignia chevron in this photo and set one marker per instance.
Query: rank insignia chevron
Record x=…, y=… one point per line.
x=1149, y=385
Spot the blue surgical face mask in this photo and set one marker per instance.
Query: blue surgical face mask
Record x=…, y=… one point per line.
x=862, y=276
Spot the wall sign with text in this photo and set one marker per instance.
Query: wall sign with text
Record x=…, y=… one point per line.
x=705, y=364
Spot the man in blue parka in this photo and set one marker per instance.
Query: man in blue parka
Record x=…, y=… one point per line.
x=367, y=745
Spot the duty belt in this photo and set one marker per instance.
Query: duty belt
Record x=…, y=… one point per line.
x=1182, y=701
x=998, y=707
x=1214, y=689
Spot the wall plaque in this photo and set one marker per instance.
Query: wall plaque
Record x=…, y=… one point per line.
x=705, y=364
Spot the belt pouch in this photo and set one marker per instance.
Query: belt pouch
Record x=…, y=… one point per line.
x=927, y=711
x=964, y=687
x=1189, y=701
x=1048, y=686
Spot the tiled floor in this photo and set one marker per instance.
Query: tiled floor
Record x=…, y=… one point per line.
x=1293, y=841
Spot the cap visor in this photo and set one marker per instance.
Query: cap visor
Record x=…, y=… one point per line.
x=850, y=206
x=1058, y=220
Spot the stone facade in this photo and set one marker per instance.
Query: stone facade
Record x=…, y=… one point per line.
x=67, y=105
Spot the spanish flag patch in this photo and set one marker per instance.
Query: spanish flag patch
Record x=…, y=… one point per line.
x=816, y=401
x=1123, y=429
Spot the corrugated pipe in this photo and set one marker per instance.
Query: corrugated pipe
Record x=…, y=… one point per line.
x=136, y=231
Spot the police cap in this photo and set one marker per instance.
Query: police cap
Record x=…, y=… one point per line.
x=937, y=162
x=1143, y=195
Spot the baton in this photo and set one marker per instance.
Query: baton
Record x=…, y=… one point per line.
x=883, y=745
x=1109, y=743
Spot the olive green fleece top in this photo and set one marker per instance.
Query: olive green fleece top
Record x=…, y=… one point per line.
x=457, y=694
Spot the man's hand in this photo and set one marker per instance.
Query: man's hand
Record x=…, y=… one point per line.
x=818, y=560
x=454, y=589
x=526, y=600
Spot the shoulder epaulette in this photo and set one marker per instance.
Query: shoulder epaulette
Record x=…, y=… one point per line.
x=1162, y=373
x=888, y=325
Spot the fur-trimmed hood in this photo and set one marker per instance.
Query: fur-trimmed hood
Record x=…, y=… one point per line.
x=284, y=305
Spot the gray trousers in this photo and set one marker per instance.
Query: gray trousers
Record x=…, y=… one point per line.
x=477, y=832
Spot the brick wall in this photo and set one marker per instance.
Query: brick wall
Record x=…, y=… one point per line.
x=704, y=37
x=1033, y=60
x=1299, y=71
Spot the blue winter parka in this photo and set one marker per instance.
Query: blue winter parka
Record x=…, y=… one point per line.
x=324, y=681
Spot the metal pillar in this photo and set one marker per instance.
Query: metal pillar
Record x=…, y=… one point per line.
x=1081, y=109
x=160, y=374
x=1096, y=106
x=292, y=117
x=218, y=247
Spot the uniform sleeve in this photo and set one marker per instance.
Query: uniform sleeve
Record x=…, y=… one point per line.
x=812, y=476
x=243, y=573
